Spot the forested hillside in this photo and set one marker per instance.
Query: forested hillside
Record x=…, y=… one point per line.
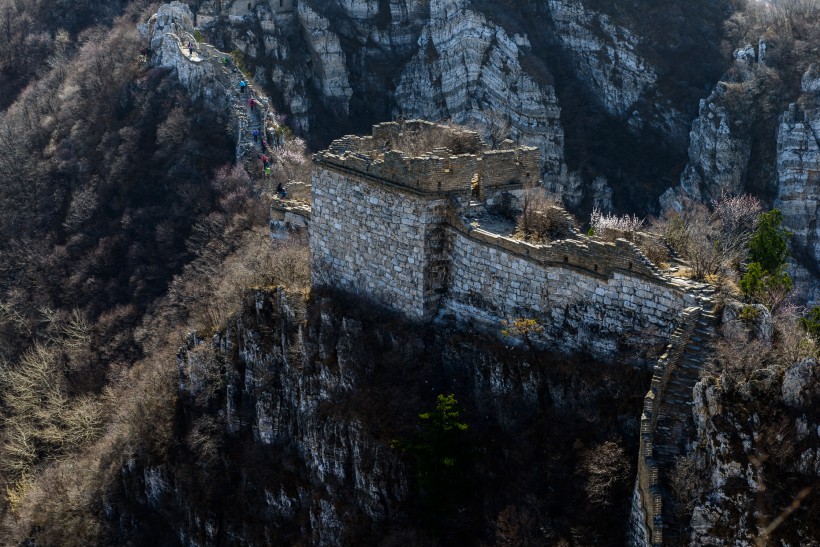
x=113, y=180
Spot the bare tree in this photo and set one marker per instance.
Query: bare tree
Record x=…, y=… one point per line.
x=606, y=468
x=711, y=240
x=688, y=483
x=612, y=227
x=498, y=127
x=542, y=218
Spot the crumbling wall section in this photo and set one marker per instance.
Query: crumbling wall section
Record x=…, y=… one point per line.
x=442, y=169
x=592, y=297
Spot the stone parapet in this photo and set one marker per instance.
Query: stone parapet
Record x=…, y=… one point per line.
x=583, y=302
x=648, y=484
x=441, y=169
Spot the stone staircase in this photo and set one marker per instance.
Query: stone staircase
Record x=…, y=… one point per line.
x=226, y=80
x=676, y=426
x=667, y=425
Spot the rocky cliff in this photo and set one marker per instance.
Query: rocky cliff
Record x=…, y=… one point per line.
x=298, y=421
x=722, y=136
x=756, y=458
x=757, y=131
x=731, y=152
x=469, y=69
x=798, y=171
x=600, y=89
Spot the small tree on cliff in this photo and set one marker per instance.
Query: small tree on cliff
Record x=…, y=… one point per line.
x=542, y=217
x=765, y=279
x=442, y=456
x=768, y=245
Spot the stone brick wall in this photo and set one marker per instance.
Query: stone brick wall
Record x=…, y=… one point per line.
x=370, y=239
x=647, y=487
x=589, y=302
x=438, y=170
x=501, y=168
x=387, y=225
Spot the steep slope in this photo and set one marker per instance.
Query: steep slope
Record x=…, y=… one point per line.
x=755, y=470
x=292, y=421
x=116, y=177
x=606, y=92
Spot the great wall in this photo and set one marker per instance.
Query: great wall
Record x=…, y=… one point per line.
x=203, y=70
x=401, y=230
x=408, y=230
x=404, y=230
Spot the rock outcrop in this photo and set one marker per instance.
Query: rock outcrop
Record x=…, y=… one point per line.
x=798, y=171
x=718, y=153
x=328, y=60
x=292, y=421
x=469, y=69
x=757, y=446
x=168, y=34
x=605, y=54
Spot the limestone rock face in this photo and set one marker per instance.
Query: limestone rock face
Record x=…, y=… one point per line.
x=736, y=327
x=718, y=154
x=294, y=411
x=798, y=176
x=810, y=83
x=468, y=69
x=778, y=422
x=607, y=57
x=339, y=66
x=166, y=41
x=329, y=61
x=801, y=383
x=604, y=54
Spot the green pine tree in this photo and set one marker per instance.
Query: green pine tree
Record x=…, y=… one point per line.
x=769, y=242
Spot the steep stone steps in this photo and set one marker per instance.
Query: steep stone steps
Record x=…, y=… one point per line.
x=675, y=427
x=228, y=78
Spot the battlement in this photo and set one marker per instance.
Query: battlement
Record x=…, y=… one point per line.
x=433, y=159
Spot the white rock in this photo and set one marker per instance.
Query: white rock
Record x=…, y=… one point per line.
x=801, y=383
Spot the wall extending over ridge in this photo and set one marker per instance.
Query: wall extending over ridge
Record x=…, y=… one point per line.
x=387, y=225
x=649, y=492
x=587, y=296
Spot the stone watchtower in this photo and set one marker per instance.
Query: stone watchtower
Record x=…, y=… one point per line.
x=381, y=203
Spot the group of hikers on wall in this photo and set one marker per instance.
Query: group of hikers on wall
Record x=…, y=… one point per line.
x=258, y=138
x=252, y=103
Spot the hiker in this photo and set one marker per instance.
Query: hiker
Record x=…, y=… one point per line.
x=242, y=85
x=264, y=145
x=264, y=158
x=255, y=136
x=281, y=191
x=267, y=171
x=251, y=103
x=190, y=48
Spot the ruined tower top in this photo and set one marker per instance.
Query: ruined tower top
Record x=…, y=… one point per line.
x=426, y=157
